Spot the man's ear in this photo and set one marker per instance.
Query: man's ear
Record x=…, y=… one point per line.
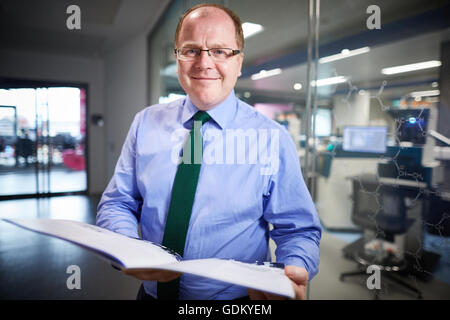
x=176, y=59
x=241, y=58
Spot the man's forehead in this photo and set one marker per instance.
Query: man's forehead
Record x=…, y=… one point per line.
x=215, y=15
x=206, y=12
x=211, y=44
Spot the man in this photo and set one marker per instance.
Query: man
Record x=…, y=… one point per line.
x=235, y=201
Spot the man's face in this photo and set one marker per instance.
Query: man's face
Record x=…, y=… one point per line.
x=208, y=82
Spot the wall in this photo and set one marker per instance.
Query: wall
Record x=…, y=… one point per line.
x=125, y=93
x=64, y=68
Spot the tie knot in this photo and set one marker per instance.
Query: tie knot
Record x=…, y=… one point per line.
x=202, y=116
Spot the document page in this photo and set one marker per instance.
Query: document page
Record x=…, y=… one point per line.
x=127, y=252
x=132, y=253
x=259, y=277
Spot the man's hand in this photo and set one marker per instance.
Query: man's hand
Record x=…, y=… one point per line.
x=152, y=274
x=299, y=280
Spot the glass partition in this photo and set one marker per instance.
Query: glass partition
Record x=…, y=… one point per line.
x=374, y=173
x=378, y=181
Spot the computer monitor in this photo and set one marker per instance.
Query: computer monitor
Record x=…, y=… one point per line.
x=413, y=123
x=365, y=139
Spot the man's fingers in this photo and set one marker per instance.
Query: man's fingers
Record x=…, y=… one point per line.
x=299, y=278
x=261, y=295
x=256, y=295
x=271, y=296
x=296, y=274
x=300, y=291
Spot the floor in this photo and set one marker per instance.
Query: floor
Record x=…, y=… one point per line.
x=23, y=180
x=327, y=286
x=34, y=266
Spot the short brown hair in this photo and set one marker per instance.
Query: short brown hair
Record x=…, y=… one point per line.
x=237, y=22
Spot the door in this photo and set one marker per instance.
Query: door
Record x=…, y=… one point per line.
x=42, y=141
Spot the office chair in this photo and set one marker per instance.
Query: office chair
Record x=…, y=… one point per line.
x=379, y=209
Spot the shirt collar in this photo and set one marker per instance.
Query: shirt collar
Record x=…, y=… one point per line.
x=221, y=114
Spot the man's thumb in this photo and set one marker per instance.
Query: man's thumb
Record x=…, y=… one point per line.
x=297, y=274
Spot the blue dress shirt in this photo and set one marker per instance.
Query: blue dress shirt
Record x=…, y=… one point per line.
x=240, y=191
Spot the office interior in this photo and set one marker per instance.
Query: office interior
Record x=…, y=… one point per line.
x=366, y=102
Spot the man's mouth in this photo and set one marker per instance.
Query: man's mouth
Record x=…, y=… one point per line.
x=204, y=78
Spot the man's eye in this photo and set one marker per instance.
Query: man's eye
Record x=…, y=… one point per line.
x=189, y=51
x=219, y=52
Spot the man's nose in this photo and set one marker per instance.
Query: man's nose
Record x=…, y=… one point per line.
x=205, y=60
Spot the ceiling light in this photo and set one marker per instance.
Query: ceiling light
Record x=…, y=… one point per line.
x=297, y=86
x=345, y=53
x=251, y=29
x=329, y=81
x=264, y=74
x=427, y=93
x=412, y=67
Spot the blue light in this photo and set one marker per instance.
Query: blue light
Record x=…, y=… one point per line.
x=412, y=120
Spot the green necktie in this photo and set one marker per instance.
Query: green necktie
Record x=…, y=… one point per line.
x=183, y=194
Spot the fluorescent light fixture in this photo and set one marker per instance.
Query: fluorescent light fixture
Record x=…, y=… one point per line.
x=297, y=86
x=433, y=99
x=251, y=29
x=264, y=74
x=329, y=81
x=412, y=67
x=427, y=93
x=345, y=53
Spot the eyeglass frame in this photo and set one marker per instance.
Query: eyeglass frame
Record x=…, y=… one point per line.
x=176, y=50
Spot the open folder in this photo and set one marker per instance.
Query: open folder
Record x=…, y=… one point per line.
x=130, y=253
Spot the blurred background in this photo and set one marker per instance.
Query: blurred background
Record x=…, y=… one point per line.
x=363, y=87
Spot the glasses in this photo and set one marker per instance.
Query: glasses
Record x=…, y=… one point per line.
x=218, y=54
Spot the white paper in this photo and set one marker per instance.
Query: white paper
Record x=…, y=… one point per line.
x=257, y=277
x=138, y=254
x=131, y=253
